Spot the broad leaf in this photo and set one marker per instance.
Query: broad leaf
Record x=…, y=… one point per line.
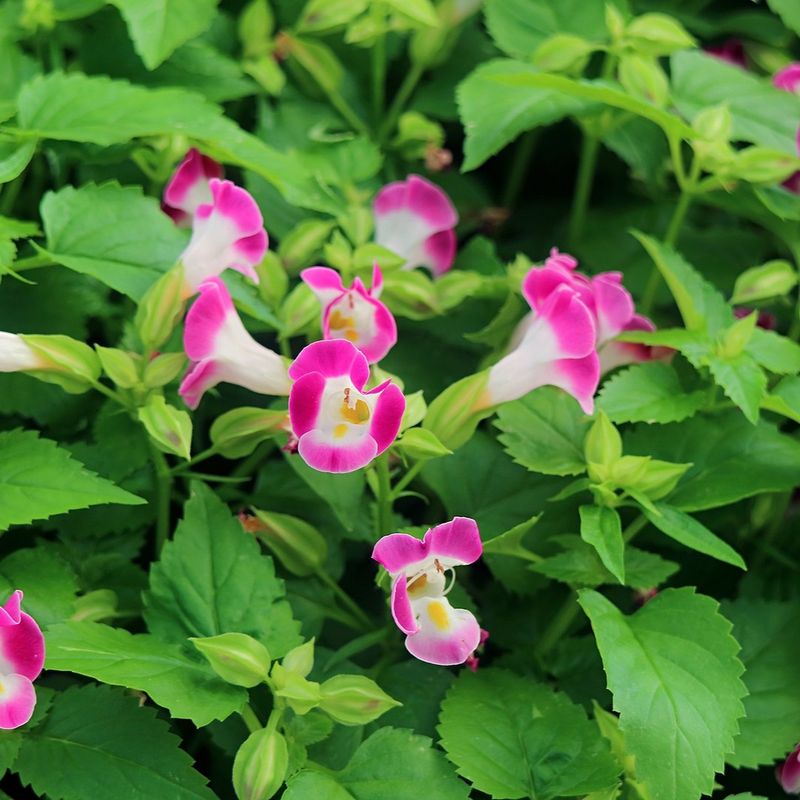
x=649, y=392
x=544, y=432
x=38, y=479
x=158, y=27
x=602, y=529
x=212, y=578
x=767, y=632
x=534, y=742
x=676, y=686
x=495, y=108
x=99, y=230
x=184, y=684
x=392, y=763
x=742, y=380
x=788, y=11
x=692, y=533
x=14, y=158
x=85, y=748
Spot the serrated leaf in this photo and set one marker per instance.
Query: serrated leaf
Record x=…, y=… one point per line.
x=184, y=684
x=742, y=380
x=84, y=749
x=212, y=578
x=767, y=632
x=602, y=529
x=392, y=763
x=99, y=230
x=692, y=533
x=676, y=686
x=39, y=479
x=785, y=398
x=774, y=352
x=544, y=432
x=533, y=743
x=649, y=392
x=159, y=27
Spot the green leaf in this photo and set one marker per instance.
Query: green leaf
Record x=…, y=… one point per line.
x=692, y=533
x=742, y=380
x=761, y=113
x=788, y=11
x=774, y=352
x=641, y=145
x=99, y=230
x=392, y=763
x=534, y=742
x=159, y=27
x=84, y=748
x=702, y=307
x=184, y=684
x=14, y=158
x=496, y=106
x=518, y=27
x=544, y=432
x=785, y=398
x=212, y=578
x=767, y=632
x=649, y=392
x=731, y=458
x=676, y=686
x=38, y=479
x=602, y=529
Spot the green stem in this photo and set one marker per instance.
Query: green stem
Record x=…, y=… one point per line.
x=201, y=456
x=558, y=626
x=357, y=645
x=33, y=262
x=249, y=718
x=522, y=160
x=253, y=461
x=634, y=528
x=383, y=519
x=378, y=78
x=345, y=599
x=400, y=99
x=10, y=193
x=347, y=112
x=412, y=473
x=163, y=496
x=590, y=146
x=285, y=347
x=274, y=719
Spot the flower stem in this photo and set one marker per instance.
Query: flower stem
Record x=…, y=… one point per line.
x=201, y=456
x=558, y=626
x=400, y=99
x=383, y=519
x=357, y=645
x=406, y=479
x=249, y=718
x=590, y=147
x=378, y=78
x=522, y=160
x=163, y=496
x=345, y=599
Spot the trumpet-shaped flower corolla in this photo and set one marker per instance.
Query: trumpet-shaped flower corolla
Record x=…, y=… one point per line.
x=788, y=79
x=226, y=232
x=435, y=631
x=188, y=188
x=21, y=661
x=221, y=349
x=416, y=219
x=16, y=355
x=340, y=427
x=557, y=348
x=354, y=314
x=788, y=773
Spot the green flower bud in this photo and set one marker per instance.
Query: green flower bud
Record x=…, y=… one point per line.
x=295, y=543
x=236, y=657
x=714, y=124
x=643, y=77
x=299, y=311
x=260, y=765
x=95, y=606
x=161, y=308
x=615, y=22
x=323, y=16
x=317, y=59
x=563, y=52
x=410, y=294
x=168, y=427
x=357, y=223
x=300, y=660
x=421, y=445
x=300, y=247
x=454, y=415
x=238, y=432
x=70, y=363
x=301, y=695
x=366, y=255
x=658, y=35
x=338, y=252
x=266, y=72
x=274, y=281
x=660, y=478
x=416, y=409
x=256, y=23
x=162, y=369
x=119, y=366
x=773, y=279
x=603, y=444
x=762, y=165
x=354, y=699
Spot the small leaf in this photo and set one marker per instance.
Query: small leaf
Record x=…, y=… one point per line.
x=601, y=528
x=742, y=380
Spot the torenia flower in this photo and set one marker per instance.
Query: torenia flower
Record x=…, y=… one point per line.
x=189, y=188
x=789, y=772
x=222, y=351
x=788, y=79
x=226, y=232
x=416, y=219
x=354, y=314
x=435, y=631
x=731, y=50
x=339, y=426
x=21, y=661
x=555, y=349
x=16, y=355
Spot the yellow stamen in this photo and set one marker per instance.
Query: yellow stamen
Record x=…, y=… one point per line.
x=337, y=320
x=357, y=414
x=418, y=583
x=438, y=614
x=340, y=430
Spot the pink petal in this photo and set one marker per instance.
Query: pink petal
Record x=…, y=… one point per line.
x=251, y=249
x=458, y=541
x=10, y=613
x=562, y=260
x=789, y=772
x=569, y=322
x=206, y=318
x=579, y=377
x=332, y=358
x=325, y=283
x=387, y=415
x=377, y=280
x=396, y=551
x=237, y=205
x=21, y=641
x=440, y=250
x=402, y=612
x=788, y=79
x=188, y=187
x=305, y=401
x=444, y=647
x=322, y=454
x=731, y=51
x=613, y=305
x=17, y=701
x=201, y=377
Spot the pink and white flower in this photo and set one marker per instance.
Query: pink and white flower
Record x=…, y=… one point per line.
x=222, y=351
x=435, y=631
x=340, y=427
x=21, y=661
x=731, y=50
x=556, y=348
x=354, y=314
x=416, y=219
x=788, y=773
x=227, y=232
x=16, y=355
x=788, y=79
x=188, y=188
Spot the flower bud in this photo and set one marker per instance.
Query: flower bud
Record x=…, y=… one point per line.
x=300, y=310
x=238, y=432
x=615, y=22
x=454, y=415
x=323, y=16
x=338, y=252
x=788, y=773
x=366, y=255
x=301, y=245
x=416, y=409
x=354, y=699
x=300, y=660
x=95, y=606
x=563, y=52
x=168, y=427
x=660, y=478
x=735, y=338
x=256, y=23
x=119, y=366
x=266, y=72
x=603, y=444
x=162, y=369
x=643, y=77
x=301, y=695
x=70, y=363
x=297, y=545
x=410, y=294
x=273, y=280
x=762, y=165
x=714, y=124
x=421, y=445
x=773, y=279
x=658, y=35
x=236, y=657
x=161, y=308
x=260, y=765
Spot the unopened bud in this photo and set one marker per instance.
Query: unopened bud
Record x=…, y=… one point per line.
x=238, y=432
x=762, y=165
x=421, y=445
x=161, y=308
x=295, y=543
x=410, y=294
x=603, y=444
x=788, y=773
x=354, y=699
x=660, y=478
x=303, y=243
x=65, y=361
x=299, y=311
x=300, y=694
x=260, y=765
x=563, y=52
x=773, y=279
x=162, y=369
x=454, y=415
x=300, y=660
x=643, y=77
x=236, y=657
x=658, y=34
x=168, y=427
x=119, y=366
